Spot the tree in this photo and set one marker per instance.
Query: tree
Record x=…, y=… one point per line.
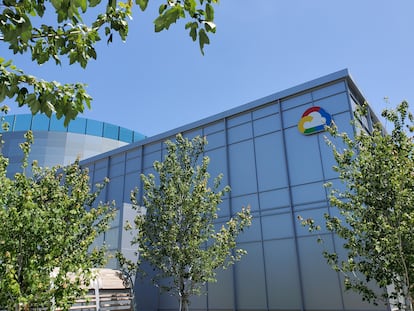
x=177, y=234
x=22, y=30
x=376, y=219
x=49, y=221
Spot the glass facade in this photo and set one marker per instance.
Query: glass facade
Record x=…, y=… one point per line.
x=55, y=144
x=278, y=171
x=271, y=166
x=40, y=122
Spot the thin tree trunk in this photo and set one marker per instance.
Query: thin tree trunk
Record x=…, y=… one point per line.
x=184, y=303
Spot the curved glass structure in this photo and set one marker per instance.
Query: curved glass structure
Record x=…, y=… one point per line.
x=55, y=144
x=25, y=122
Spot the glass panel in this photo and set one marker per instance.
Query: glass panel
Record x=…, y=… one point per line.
x=221, y=293
x=296, y=101
x=270, y=158
x=77, y=126
x=282, y=275
x=304, y=159
x=320, y=282
x=150, y=158
x=252, y=233
x=308, y=193
x=110, y=131
x=125, y=135
x=57, y=125
x=329, y=90
x=217, y=166
x=22, y=122
x=317, y=215
x=10, y=121
x=265, y=111
x=241, y=132
x=40, y=122
x=215, y=127
x=274, y=199
x=239, y=119
x=243, y=201
x=94, y=127
x=292, y=117
x=277, y=226
x=266, y=125
x=242, y=168
x=334, y=104
x=216, y=140
x=343, y=122
x=250, y=285
x=138, y=136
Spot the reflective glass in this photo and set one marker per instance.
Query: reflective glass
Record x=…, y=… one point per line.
x=267, y=124
x=10, y=121
x=304, y=159
x=277, y=226
x=320, y=282
x=242, y=168
x=250, y=286
x=110, y=131
x=271, y=165
x=282, y=275
x=239, y=133
x=125, y=135
x=40, y=122
x=22, y=122
x=329, y=90
x=57, y=125
x=94, y=127
x=77, y=126
x=138, y=136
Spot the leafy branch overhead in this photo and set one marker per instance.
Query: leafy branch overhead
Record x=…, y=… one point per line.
x=23, y=29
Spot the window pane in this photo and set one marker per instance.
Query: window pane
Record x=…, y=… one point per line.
x=110, y=131
x=94, y=127
x=57, y=125
x=22, y=122
x=77, y=126
x=40, y=123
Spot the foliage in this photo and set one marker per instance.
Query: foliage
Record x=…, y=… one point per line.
x=49, y=221
x=376, y=209
x=22, y=30
x=177, y=234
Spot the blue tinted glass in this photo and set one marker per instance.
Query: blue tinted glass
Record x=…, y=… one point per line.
x=77, y=126
x=10, y=121
x=40, y=122
x=110, y=131
x=138, y=136
x=94, y=128
x=125, y=135
x=22, y=122
x=57, y=125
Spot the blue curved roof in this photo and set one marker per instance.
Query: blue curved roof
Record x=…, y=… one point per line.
x=40, y=122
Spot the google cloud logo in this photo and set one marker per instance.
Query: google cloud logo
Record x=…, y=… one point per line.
x=314, y=121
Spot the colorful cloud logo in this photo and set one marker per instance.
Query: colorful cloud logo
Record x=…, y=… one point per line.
x=314, y=121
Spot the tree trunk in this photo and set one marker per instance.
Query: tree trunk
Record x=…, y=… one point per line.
x=184, y=303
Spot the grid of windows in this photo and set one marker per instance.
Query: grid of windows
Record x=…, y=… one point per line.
x=280, y=173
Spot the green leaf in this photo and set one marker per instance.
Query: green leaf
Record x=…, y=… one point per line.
x=193, y=29
x=203, y=39
x=209, y=12
x=169, y=17
x=142, y=4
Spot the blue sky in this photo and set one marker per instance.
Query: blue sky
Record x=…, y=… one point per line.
x=156, y=82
